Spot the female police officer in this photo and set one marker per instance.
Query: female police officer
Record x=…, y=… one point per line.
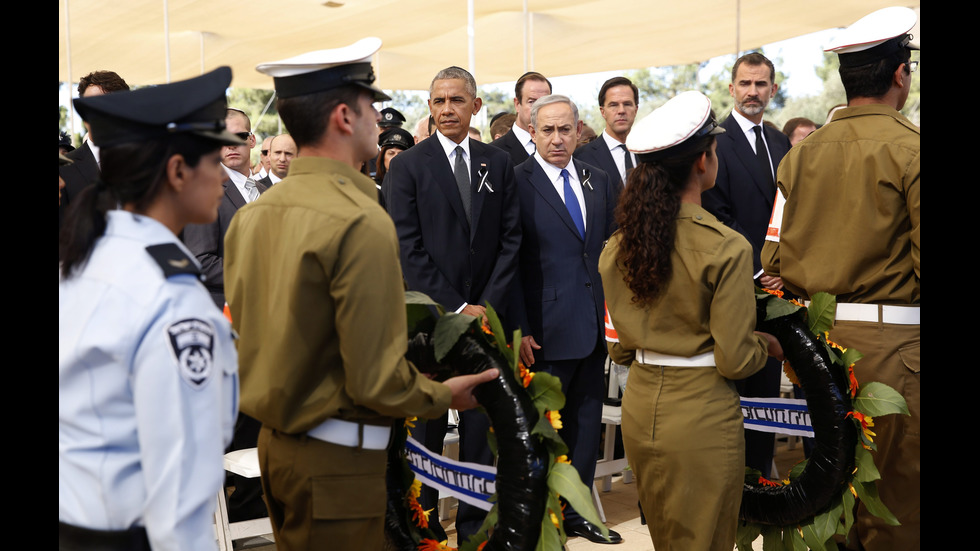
x=679, y=295
x=147, y=375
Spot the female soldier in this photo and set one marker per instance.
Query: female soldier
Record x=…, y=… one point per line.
x=680, y=299
x=147, y=374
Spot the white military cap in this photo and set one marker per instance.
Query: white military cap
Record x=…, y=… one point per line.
x=326, y=69
x=875, y=36
x=673, y=128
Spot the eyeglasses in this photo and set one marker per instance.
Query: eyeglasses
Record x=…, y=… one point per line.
x=913, y=65
x=243, y=135
x=265, y=151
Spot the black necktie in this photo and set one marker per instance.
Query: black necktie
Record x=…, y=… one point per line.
x=762, y=154
x=462, y=181
x=627, y=161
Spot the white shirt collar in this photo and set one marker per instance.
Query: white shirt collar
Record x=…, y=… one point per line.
x=554, y=175
x=524, y=137
x=238, y=179
x=617, y=154
x=275, y=179
x=746, y=125
x=449, y=146
x=95, y=151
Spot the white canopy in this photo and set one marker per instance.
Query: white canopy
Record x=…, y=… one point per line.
x=157, y=41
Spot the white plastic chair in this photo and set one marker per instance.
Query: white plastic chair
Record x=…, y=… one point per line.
x=244, y=463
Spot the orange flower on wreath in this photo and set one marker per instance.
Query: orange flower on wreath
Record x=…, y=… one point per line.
x=778, y=294
x=866, y=422
x=419, y=515
x=852, y=380
x=524, y=374
x=763, y=481
x=428, y=544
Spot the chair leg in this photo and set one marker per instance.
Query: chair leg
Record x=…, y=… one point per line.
x=221, y=523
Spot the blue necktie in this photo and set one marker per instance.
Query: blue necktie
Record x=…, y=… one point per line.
x=571, y=203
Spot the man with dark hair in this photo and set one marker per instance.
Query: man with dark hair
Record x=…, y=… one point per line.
x=454, y=204
x=798, y=128
x=315, y=293
x=84, y=169
x=748, y=154
x=850, y=227
x=517, y=141
x=618, y=101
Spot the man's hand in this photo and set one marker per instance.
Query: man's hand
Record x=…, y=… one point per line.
x=475, y=310
x=463, y=385
x=775, y=349
x=771, y=282
x=528, y=345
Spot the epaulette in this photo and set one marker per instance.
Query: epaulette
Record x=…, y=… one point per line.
x=173, y=260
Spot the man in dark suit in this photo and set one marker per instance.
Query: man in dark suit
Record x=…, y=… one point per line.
x=566, y=216
x=618, y=102
x=84, y=170
x=454, y=204
x=748, y=154
x=517, y=141
x=207, y=242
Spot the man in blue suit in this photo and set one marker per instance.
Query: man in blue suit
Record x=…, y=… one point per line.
x=748, y=155
x=454, y=204
x=566, y=217
x=618, y=101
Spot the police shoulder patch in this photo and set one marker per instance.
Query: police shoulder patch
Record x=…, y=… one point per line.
x=173, y=260
x=192, y=345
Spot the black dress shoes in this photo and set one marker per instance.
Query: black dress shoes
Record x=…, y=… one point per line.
x=590, y=532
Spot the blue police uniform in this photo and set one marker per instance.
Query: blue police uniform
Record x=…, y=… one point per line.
x=147, y=389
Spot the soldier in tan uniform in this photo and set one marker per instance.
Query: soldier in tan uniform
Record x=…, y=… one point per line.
x=847, y=222
x=315, y=292
x=684, y=327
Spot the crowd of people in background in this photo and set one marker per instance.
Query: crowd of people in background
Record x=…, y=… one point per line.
x=188, y=272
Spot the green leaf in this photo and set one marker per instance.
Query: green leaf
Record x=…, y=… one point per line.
x=850, y=356
x=815, y=540
x=820, y=313
x=868, y=494
x=847, y=503
x=793, y=540
x=545, y=390
x=772, y=538
x=777, y=308
x=550, y=539
x=746, y=534
x=563, y=479
x=876, y=399
x=825, y=524
x=543, y=428
x=449, y=328
x=497, y=328
x=866, y=469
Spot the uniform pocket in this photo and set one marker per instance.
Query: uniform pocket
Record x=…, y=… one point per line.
x=348, y=497
x=910, y=357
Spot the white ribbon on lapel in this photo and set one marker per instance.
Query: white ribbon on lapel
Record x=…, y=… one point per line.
x=482, y=173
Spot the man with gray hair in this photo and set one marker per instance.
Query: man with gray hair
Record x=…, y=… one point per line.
x=454, y=204
x=566, y=216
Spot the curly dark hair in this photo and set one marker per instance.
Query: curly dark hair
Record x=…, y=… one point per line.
x=647, y=218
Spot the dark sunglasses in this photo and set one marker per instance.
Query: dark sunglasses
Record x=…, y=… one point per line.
x=243, y=135
x=265, y=151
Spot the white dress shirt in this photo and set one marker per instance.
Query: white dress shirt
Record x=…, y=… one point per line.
x=554, y=174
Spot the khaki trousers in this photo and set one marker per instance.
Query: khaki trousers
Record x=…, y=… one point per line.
x=322, y=495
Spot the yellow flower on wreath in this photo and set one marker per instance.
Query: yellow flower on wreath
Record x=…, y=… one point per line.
x=419, y=515
x=554, y=418
x=866, y=422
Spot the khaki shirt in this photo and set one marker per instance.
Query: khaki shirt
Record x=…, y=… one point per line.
x=708, y=304
x=850, y=225
x=315, y=290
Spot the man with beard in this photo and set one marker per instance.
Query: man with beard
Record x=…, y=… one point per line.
x=748, y=154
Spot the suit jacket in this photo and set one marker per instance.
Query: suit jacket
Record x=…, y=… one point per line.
x=207, y=241
x=441, y=254
x=596, y=153
x=509, y=143
x=560, y=301
x=265, y=181
x=77, y=176
x=742, y=197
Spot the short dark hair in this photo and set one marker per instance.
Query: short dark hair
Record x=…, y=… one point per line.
x=107, y=80
x=305, y=116
x=755, y=58
x=530, y=75
x=617, y=81
x=874, y=79
x=792, y=124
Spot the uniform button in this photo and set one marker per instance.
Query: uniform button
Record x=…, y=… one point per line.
x=585, y=255
x=588, y=285
x=698, y=217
